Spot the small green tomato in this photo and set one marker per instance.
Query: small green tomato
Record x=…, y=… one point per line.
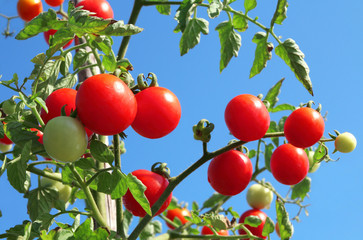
x=64, y=191
x=345, y=142
x=5, y=147
x=9, y=106
x=313, y=166
x=259, y=197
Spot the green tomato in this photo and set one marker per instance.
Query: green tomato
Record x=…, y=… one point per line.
x=259, y=197
x=313, y=166
x=65, y=139
x=345, y=142
x=5, y=147
x=64, y=191
x=9, y=106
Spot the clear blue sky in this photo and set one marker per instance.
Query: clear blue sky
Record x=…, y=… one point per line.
x=330, y=35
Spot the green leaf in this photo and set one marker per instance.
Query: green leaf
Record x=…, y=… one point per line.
x=320, y=152
x=252, y=221
x=240, y=23
x=183, y=14
x=290, y=52
x=120, y=29
x=251, y=154
x=262, y=53
x=282, y=123
x=102, y=43
x=64, y=67
x=61, y=38
x=127, y=220
x=269, y=227
x=163, y=9
x=137, y=189
x=230, y=43
x=273, y=93
x=280, y=12
x=67, y=81
x=80, y=58
x=249, y=5
x=268, y=154
x=150, y=230
x=119, y=184
x=301, y=189
x=285, y=226
x=213, y=200
x=215, y=8
x=85, y=230
x=274, y=128
x=41, y=201
x=191, y=34
x=45, y=220
x=39, y=59
x=101, y=152
x=20, y=232
x=109, y=62
x=283, y=107
x=28, y=102
x=195, y=206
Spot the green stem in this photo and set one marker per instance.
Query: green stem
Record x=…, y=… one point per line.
x=38, y=117
x=98, y=59
x=89, y=181
x=82, y=45
x=85, y=67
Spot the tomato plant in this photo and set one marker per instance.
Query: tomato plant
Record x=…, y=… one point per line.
x=98, y=104
x=230, y=172
x=289, y=164
x=9, y=106
x=29, y=9
x=207, y=231
x=39, y=134
x=64, y=191
x=5, y=140
x=101, y=8
x=178, y=213
x=54, y=3
x=155, y=185
x=345, y=142
x=158, y=112
x=247, y=118
x=51, y=32
x=257, y=231
x=259, y=197
x=304, y=127
x=65, y=139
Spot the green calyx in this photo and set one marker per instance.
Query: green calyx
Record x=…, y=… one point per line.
x=161, y=169
x=202, y=131
x=142, y=84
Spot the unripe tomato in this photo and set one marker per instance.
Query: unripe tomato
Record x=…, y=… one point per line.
x=229, y=173
x=345, y=142
x=5, y=147
x=29, y=9
x=207, y=231
x=257, y=231
x=304, y=127
x=158, y=112
x=65, y=139
x=54, y=3
x=313, y=166
x=64, y=191
x=247, y=118
x=155, y=186
x=52, y=32
x=179, y=213
x=105, y=104
x=259, y=197
x=9, y=106
x=101, y=7
x=289, y=164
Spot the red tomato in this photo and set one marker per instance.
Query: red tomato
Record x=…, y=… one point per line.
x=29, y=9
x=39, y=134
x=54, y=3
x=5, y=139
x=179, y=213
x=289, y=164
x=257, y=231
x=105, y=104
x=304, y=127
x=247, y=118
x=230, y=172
x=155, y=186
x=52, y=32
x=158, y=112
x=207, y=231
x=101, y=7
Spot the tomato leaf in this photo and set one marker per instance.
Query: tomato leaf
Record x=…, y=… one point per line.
x=269, y=227
x=120, y=29
x=262, y=54
x=301, y=189
x=61, y=38
x=150, y=230
x=109, y=62
x=273, y=93
x=66, y=63
x=183, y=14
x=283, y=107
x=119, y=184
x=191, y=34
x=268, y=154
x=67, y=81
x=41, y=201
x=290, y=52
x=280, y=12
x=249, y=5
x=213, y=200
x=137, y=189
x=22, y=231
x=215, y=8
x=127, y=220
x=164, y=8
x=252, y=221
x=230, y=43
x=45, y=220
x=85, y=230
x=239, y=23
x=285, y=226
x=101, y=152
x=80, y=58
x=274, y=128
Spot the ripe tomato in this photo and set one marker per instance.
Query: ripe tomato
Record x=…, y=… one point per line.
x=52, y=32
x=39, y=134
x=207, y=231
x=105, y=104
x=247, y=118
x=158, y=112
x=101, y=7
x=304, y=127
x=29, y=9
x=155, y=186
x=289, y=164
x=179, y=213
x=259, y=197
x=54, y=3
x=257, y=231
x=230, y=172
x=65, y=139
x=345, y=142
x=64, y=191
x=5, y=140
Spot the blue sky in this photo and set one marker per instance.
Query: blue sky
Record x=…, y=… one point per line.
x=330, y=36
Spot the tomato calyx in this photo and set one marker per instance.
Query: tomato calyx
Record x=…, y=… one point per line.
x=202, y=130
x=161, y=169
x=142, y=84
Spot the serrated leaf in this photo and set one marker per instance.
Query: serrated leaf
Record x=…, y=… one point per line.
x=280, y=12
x=41, y=201
x=101, y=152
x=268, y=154
x=137, y=189
x=67, y=81
x=290, y=52
x=102, y=43
x=119, y=184
x=252, y=221
x=109, y=62
x=273, y=93
x=240, y=23
x=249, y=5
x=191, y=34
x=183, y=14
x=283, y=107
x=230, y=43
x=268, y=228
x=80, y=58
x=213, y=200
x=215, y=8
x=120, y=29
x=262, y=54
x=301, y=189
x=61, y=37
x=285, y=226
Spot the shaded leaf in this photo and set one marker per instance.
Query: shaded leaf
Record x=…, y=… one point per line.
x=101, y=152
x=269, y=227
x=41, y=201
x=273, y=93
x=191, y=34
x=183, y=14
x=213, y=200
x=215, y=8
x=252, y=221
x=262, y=54
x=274, y=128
x=268, y=154
x=137, y=189
x=285, y=226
